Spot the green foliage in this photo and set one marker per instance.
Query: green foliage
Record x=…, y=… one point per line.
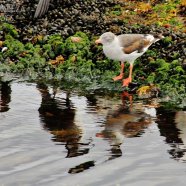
x=167, y=39
x=151, y=78
x=81, y=49
x=151, y=53
x=9, y=29
x=117, y=10
x=84, y=63
x=55, y=44
x=15, y=47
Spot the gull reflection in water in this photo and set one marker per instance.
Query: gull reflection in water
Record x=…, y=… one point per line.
x=126, y=121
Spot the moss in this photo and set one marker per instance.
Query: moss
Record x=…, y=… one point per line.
x=57, y=44
x=9, y=29
x=164, y=67
x=167, y=39
x=15, y=47
x=151, y=53
x=151, y=78
x=179, y=70
x=117, y=10
x=85, y=65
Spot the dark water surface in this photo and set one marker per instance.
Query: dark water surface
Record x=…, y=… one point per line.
x=50, y=137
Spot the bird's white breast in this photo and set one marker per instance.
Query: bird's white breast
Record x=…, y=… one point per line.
x=113, y=50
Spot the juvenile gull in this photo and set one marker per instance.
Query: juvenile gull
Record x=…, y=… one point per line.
x=126, y=47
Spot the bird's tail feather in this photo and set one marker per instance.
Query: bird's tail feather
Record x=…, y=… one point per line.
x=157, y=37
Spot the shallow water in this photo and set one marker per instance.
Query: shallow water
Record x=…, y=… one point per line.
x=53, y=137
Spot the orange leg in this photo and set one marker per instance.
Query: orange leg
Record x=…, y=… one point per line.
x=121, y=73
x=129, y=79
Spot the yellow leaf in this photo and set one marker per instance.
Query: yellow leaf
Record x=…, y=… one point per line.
x=144, y=7
x=143, y=90
x=183, y=2
x=60, y=58
x=1, y=43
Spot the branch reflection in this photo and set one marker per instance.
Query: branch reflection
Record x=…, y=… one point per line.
x=5, y=96
x=57, y=116
x=172, y=126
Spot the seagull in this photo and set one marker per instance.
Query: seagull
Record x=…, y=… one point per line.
x=42, y=8
x=126, y=48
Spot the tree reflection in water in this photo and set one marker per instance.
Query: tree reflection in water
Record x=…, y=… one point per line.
x=5, y=96
x=172, y=126
x=82, y=167
x=57, y=116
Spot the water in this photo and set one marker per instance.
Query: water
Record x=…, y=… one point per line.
x=54, y=137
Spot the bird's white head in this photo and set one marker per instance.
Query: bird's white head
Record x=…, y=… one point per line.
x=106, y=38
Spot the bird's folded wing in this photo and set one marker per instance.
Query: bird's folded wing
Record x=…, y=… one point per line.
x=42, y=8
x=133, y=42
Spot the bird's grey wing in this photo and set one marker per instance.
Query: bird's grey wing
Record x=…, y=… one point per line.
x=133, y=42
x=42, y=8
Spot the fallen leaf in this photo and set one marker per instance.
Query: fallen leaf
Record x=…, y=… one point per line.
x=148, y=91
x=22, y=54
x=58, y=60
x=53, y=62
x=167, y=25
x=143, y=90
x=144, y=7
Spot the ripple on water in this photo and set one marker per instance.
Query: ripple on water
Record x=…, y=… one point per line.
x=47, y=137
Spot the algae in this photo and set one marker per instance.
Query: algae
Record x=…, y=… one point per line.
x=84, y=64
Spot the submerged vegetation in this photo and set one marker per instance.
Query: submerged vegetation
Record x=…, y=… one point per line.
x=82, y=63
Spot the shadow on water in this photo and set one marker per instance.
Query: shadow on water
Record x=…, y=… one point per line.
x=5, y=96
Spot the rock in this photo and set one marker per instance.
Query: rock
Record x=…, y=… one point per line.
x=184, y=64
x=4, y=49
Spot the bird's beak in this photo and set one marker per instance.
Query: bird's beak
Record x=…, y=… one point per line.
x=98, y=41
